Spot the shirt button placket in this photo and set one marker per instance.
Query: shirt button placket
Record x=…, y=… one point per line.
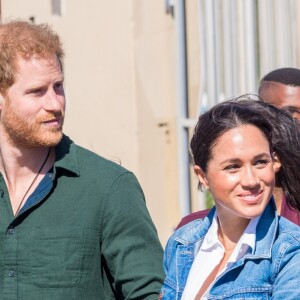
x=10, y=283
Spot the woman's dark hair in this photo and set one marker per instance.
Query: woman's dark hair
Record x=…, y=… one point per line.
x=280, y=128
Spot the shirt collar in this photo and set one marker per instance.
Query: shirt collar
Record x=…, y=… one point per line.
x=211, y=238
x=192, y=234
x=66, y=156
x=247, y=239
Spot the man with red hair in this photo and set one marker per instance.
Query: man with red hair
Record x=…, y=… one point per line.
x=73, y=225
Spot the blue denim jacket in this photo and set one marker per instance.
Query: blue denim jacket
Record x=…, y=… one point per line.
x=271, y=272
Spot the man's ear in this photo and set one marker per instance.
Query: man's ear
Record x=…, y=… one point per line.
x=201, y=176
x=276, y=162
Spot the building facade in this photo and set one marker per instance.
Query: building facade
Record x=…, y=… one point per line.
x=139, y=72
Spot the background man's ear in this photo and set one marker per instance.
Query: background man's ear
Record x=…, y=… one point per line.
x=201, y=176
x=1, y=100
x=276, y=163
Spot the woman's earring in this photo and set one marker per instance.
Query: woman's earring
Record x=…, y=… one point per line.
x=205, y=188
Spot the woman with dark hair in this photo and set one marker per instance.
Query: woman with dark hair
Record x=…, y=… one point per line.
x=242, y=249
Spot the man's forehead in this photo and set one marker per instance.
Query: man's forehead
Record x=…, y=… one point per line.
x=37, y=64
x=277, y=85
x=279, y=94
x=36, y=71
x=27, y=58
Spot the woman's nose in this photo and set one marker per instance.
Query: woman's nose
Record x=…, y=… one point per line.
x=249, y=177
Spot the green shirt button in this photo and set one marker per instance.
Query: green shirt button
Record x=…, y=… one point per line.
x=11, y=274
x=10, y=231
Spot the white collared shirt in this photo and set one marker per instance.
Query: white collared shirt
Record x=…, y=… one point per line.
x=210, y=254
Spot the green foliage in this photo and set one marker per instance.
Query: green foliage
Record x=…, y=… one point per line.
x=209, y=200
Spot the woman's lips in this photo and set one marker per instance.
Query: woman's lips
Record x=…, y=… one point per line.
x=251, y=198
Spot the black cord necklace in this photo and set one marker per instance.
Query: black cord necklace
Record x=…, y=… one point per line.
x=33, y=181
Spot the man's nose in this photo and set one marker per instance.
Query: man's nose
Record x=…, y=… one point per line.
x=53, y=101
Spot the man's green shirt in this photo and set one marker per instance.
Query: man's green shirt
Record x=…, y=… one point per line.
x=84, y=233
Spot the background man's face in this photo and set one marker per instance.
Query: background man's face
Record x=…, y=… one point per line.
x=281, y=96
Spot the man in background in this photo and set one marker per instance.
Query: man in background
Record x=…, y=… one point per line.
x=73, y=225
x=281, y=88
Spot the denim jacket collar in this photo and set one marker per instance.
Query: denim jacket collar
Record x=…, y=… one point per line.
x=276, y=251
x=193, y=233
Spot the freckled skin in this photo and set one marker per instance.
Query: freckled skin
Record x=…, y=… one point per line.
x=32, y=111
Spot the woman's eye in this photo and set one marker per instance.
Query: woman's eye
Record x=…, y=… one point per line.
x=262, y=162
x=232, y=167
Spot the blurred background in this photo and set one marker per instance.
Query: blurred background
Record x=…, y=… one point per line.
x=139, y=72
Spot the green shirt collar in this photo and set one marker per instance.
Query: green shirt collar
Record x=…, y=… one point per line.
x=66, y=157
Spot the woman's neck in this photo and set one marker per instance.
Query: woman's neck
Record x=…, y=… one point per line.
x=230, y=230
